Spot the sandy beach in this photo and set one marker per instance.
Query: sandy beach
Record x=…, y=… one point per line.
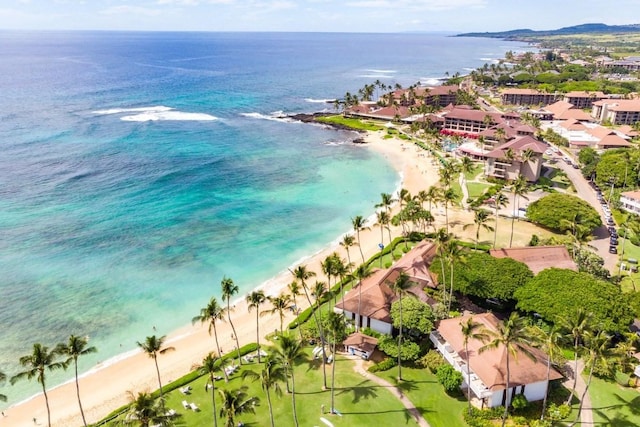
x=105, y=388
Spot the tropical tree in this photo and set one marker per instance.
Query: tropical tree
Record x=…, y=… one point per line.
x=153, y=346
x=519, y=189
x=348, y=240
x=236, y=402
x=400, y=288
x=294, y=291
x=386, y=200
x=383, y=221
x=359, y=274
x=575, y=327
x=466, y=166
x=433, y=195
x=254, y=300
x=210, y=365
x=37, y=363
x=480, y=219
x=513, y=337
x=289, y=352
x=270, y=377
x=471, y=331
x=145, y=411
x=212, y=314
x=449, y=197
x=279, y=305
x=320, y=293
x=549, y=341
x=500, y=201
x=441, y=239
x=336, y=328
x=359, y=224
x=229, y=289
x=73, y=349
x=454, y=254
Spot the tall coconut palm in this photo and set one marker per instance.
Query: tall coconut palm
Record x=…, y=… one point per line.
x=73, y=349
x=212, y=314
x=433, y=195
x=549, y=341
x=359, y=224
x=279, y=306
x=341, y=270
x=37, y=363
x=348, y=240
x=254, y=300
x=229, y=289
x=466, y=166
x=145, y=411
x=500, y=201
x=153, y=346
x=441, y=239
x=480, y=219
x=359, y=274
x=575, y=327
x=320, y=293
x=294, y=291
x=513, y=337
x=270, y=377
x=449, y=197
x=289, y=352
x=404, y=196
x=328, y=268
x=234, y=403
x=519, y=189
x=471, y=331
x=336, y=328
x=210, y=364
x=383, y=221
x=386, y=200
x=400, y=288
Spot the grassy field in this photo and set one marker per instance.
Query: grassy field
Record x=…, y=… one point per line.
x=358, y=400
x=477, y=169
x=428, y=396
x=476, y=189
x=352, y=123
x=614, y=405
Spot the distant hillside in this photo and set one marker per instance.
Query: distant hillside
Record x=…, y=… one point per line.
x=576, y=29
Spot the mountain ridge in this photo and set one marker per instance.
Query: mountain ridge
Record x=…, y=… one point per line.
x=591, y=28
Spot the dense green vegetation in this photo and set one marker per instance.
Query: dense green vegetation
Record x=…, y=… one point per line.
x=356, y=124
x=564, y=213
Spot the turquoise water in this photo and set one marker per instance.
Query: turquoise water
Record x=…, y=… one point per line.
x=138, y=169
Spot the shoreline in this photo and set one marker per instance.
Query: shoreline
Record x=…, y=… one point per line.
x=104, y=387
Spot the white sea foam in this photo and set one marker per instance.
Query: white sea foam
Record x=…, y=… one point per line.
x=155, y=113
x=432, y=81
x=319, y=101
x=277, y=116
x=373, y=70
x=375, y=76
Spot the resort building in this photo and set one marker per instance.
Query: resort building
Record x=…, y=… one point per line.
x=373, y=297
x=563, y=110
x=630, y=202
x=617, y=111
x=538, y=258
x=520, y=156
x=467, y=120
x=631, y=63
x=360, y=345
x=583, y=134
x=488, y=369
x=527, y=97
x=436, y=96
x=583, y=99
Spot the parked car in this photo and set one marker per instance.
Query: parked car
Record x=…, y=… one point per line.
x=575, y=165
x=613, y=250
x=613, y=241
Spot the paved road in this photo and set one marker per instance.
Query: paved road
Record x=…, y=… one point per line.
x=601, y=235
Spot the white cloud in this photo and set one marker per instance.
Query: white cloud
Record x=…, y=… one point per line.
x=419, y=4
x=130, y=10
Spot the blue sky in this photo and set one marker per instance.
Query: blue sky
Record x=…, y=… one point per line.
x=313, y=15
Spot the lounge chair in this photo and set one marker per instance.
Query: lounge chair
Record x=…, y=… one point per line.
x=186, y=405
x=185, y=390
x=194, y=407
x=171, y=413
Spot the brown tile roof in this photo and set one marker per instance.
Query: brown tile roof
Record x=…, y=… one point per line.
x=625, y=105
x=600, y=131
x=613, y=140
x=573, y=124
x=632, y=195
x=361, y=342
x=627, y=130
x=518, y=146
x=558, y=107
x=521, y=92
x=490, y=365
x=475, y=115
x=575, y=113
x=585, y=94
x=537, y=258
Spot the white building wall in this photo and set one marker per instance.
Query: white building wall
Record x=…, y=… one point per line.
x=378, y=326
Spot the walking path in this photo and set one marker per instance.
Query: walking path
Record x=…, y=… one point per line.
x=359, y=368
x=586, y=416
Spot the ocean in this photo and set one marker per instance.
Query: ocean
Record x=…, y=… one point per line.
x=137, y=169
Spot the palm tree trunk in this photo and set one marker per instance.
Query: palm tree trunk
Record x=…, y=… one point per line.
x=46, y=401
x=446, y=215
x=213, y=399
x=584, y=393
x=270, y=406
x=233, y=329
x=444, y=281
x=84, y=421
x=507, y=401
x=400, y=343
x=257, y=334
x=450, y=290
x=546, y=390
x=155, y=359
x=466, y=352
x=495, y=229
x=360, y=246
x=382, y=243
x=513, y=220
x=295, y=303
x=215, y=335
x=293, y=398
x=575, y=371
x=315, y=318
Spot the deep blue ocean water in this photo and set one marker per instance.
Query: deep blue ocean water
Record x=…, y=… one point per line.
x=137, y=169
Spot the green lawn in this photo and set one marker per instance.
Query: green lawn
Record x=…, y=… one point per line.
x=476, y=189
x=424, y=391
x=477, y=169
x=352, y=123
x=613, y=404
x=358, y=399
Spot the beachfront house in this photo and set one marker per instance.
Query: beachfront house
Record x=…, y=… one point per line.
x=630, y=202
x=358, y=344
x=488, y=368
x=369, y=304
x=520, y=156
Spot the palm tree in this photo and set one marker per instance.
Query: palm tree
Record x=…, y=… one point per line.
x=480, y=219
x=386, y=200
x=471, y=330
x=575, y=328
x=254, y=300
x=525, y=156
x=359, y=274
x=236, y=402
x=336, y=327
x=454, y=254
x=229, y=289
x=272, y=374
x=512, y=335
x=383, y=221
x=433, y=195
x=294, y=290
x=320, y=293
x=209, y=366
x=3, y=378
x=145, y=411
x=359, y=224
x=599, y=352
x=347, y=241
x=549, y=341
x=280, y=305
x=289, y=352
x=500, y=201
x=212, y=313
x=448, y=197
x=400, y=288
x=441, y=240
x=36, y=363
x=519, y=189
x=76, y=347
x=466, y=166
x=153, y=346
